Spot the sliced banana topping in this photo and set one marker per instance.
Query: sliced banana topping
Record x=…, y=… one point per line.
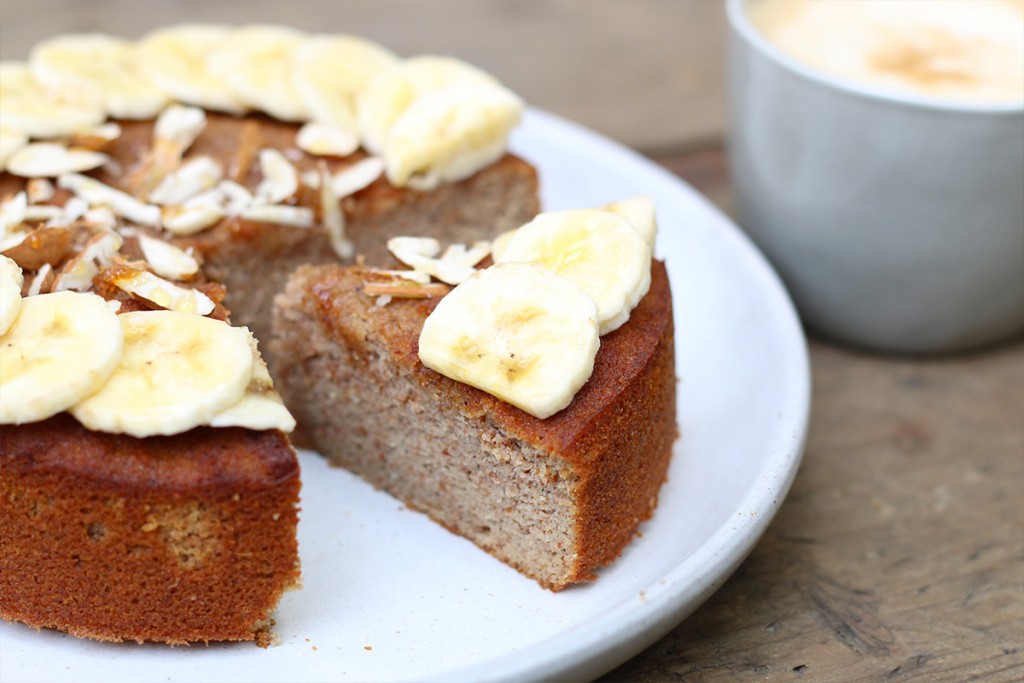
x=598, y=250
x=258, y=62
x=50, y=159
x=36, y=111
x=639, y=211
x=331, y=70
x=260, y=407
x=177, y=372
x=175, y=58
x=436, y=119
x=61, y=348
x=11, y=280
x=518, y=332
x=98, y=66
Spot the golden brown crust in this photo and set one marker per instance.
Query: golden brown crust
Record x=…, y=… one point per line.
x=171, y=539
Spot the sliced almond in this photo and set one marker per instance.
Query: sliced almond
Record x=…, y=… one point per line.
x=357, y=176
x=406, y=290
x=333, y=217
x=123, y=204
x=295, y=216
x=167, y=260
x=41, y=247
x=12, y=212
x=280, y=178
x=193, y=177
x=39, y=190
x=50, y=159
x=324, y=139
x=42, y=281
x=191, y=218
x=78, y=272
x=97, y=138
x=161, y=292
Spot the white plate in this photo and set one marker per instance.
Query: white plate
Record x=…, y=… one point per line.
x=388, y=595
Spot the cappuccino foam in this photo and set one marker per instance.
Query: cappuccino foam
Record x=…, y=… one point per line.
x=966, y=50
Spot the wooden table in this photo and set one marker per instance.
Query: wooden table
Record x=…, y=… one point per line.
x=899, y=552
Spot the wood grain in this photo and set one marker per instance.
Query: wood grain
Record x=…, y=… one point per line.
x=899, y=553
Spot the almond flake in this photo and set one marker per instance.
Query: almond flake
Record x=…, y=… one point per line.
x=191, y=218
x=460, y=255
x=238, y=197
x=357, y=176
x=333, y=218
x=100, y=218
x=176, y=128
x=324, y=139
x=406, y=290
x=311, y=179
x=167, y=260
x=194, y=176
x=445, y=271
x=123, y=204
x=411, y=275
x=74, y=208
x=146, y=285
x=43, y=212
x=280, y=179
x=96, y=138
x=295, y=216
x=39, y=190
x=12, y=212
x=77, y=273
x=413, y=250
x=37, y=282
x=50, y=159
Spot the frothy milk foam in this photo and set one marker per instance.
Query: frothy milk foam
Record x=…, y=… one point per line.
x=966, y=50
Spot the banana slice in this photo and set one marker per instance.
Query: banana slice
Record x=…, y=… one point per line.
x=99, y=66
x=399, y=87
x=598, y=250
x=177, y=371
x=331, y=70
x=260, y=407
x=258, y=63
x=11, y=280
x=639, y=211
x=61, y=348
x=33, y=110
x=518, y=332
x=175, y=58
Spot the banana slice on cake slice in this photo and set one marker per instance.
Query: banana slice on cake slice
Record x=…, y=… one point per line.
x=258, y=63
x=178, y=370
x=518, y=332
x=598, y=250
x=99, y=66
x=61, y=348
x=331, y=70
x=31, y=109
x=175, y=58
x=11, y=280
x=639, y=211
x=436, y=119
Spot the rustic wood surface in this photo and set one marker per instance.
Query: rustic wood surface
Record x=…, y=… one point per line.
x=899, y=552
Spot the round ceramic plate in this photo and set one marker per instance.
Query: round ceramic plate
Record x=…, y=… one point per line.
x=390, y=596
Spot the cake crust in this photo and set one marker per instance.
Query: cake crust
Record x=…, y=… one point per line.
x=172, y=539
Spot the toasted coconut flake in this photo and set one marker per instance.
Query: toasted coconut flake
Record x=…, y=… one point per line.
x=295, y=216
x=357, y=176
x=280, y=178
x=39, y=190
x=161, y=292
x=333, y=217
x=406, y=290
x=39, y=282
x=191, y=218
x=167, y=260
x=50, y=159
x=123, y=204
x=324, y=139
x=193, y=177
x=77, y=273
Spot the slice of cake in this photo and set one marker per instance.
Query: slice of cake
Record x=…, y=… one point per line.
x=555, y=496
